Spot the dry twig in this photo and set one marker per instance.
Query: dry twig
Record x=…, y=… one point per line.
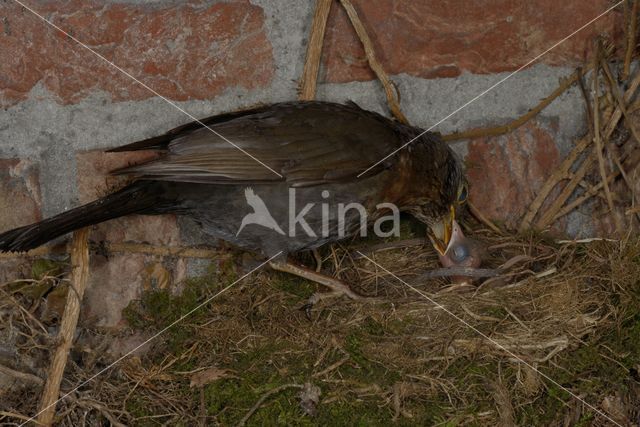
x=630, y=33
x=387, y=85
x=515, y=124
x=314, y=50
x=599, y=143
x=79, y=279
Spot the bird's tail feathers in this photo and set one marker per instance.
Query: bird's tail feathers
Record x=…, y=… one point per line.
x=136, y=198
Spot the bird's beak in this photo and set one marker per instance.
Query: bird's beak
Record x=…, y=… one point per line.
x=440, y=232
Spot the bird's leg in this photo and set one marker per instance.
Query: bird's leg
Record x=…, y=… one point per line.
x=334, y=284
x=338, y=287
x=318, y=258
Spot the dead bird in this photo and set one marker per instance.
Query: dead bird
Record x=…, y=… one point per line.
x=239, y=175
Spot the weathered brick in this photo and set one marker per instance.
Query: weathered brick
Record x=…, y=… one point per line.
x=185, y=51
x=113, y=283
x=20, y=197
x=446, y=38
x=94, y=181
x=20, y=202
x=117, y=280
x=506, y=172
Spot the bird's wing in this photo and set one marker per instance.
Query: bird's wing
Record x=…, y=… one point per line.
x=308, y=143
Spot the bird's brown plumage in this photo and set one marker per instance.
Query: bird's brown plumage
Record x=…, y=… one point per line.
x=312, y=145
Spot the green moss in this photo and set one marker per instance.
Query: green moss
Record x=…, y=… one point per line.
x=138, y=408
x=46, y=267
x=354, y=412
x=372, y=327
x=497, y=312
x=230, y=399
x=275, y=359
x=159, y=308
x=298, y=288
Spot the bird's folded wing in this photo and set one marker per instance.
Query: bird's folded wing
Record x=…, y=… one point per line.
x=306, y=143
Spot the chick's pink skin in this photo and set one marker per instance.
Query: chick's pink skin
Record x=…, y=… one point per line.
x=461, y=252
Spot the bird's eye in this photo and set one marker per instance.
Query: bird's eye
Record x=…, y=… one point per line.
x=462, y=194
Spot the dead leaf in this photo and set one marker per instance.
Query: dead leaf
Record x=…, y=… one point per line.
x=202, y=378
x=155, y=277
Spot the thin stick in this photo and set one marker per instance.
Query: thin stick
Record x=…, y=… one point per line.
x=618, y=98
x=631, y=38
x=176, y=251
x=18, y=416
x=561, y=173
x=389, y=89
x=23, y=376
x=309, y=78
x=599, y=145
x=332, y=367
x=482, y=218
x=627, y=117
x=515, y=124
x=632, y=158
x=587, y=102
x=567, y=191
x=588, y=194
x=79, y=278
x=264, y=397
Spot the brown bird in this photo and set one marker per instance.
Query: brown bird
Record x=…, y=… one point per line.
x=217, y=175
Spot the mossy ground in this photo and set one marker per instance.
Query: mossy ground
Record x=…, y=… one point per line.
x=399, y=364
x=402, y=361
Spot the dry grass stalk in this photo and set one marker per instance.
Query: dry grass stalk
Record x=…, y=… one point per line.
x=314, y=50
x=557, y=207
x=631, y=17
x=482, y=218
x=560, y=174
x=23, y=376
x=598, y=140
x=387, y=85
x=628, y=120
x=79, y=279
x=516, y=123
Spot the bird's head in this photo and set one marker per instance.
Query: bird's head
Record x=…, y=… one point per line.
x=440, y=217
x=432, y=187
x=440, y=197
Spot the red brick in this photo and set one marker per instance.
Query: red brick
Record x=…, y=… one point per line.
x=186, y=51
x=94, y=181
x=506, y=172
x=445, y=38
x=14, y=269
x=113, y=283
